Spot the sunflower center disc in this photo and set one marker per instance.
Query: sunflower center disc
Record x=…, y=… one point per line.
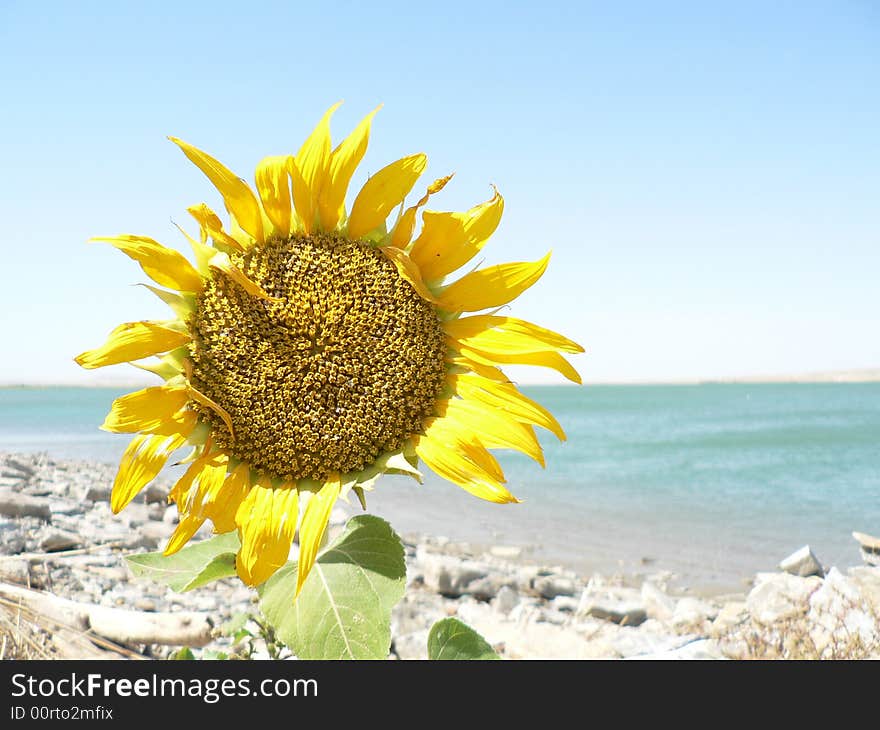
x=343, y=369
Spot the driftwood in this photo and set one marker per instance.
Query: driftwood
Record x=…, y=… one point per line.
x=116, y=624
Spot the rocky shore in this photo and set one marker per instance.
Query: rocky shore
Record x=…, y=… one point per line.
x=66, y=592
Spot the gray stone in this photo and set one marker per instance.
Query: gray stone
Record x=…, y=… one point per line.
x=550, y=586
x=506, y=600
x=156, y=492
x=98, y=492
x=486, y=588
x=56, y=540
x=171, y=515
x=17, y=469
x=16, y=504
x=780, y=596
x=803, y=563
x=447, y=575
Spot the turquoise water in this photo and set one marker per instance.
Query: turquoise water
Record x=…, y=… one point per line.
x=712, y=481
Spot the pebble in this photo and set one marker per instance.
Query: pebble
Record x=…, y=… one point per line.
x=524, y=610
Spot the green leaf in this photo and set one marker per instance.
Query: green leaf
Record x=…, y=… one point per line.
x=236, y=624
x=191, y=567
x=344, y=609
x=184, y=654
x=451, y=639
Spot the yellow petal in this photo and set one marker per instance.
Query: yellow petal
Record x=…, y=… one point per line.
x=542, y=359
x=506, y=335
x=211, y=225
x=450, y=240
x=133, y=341
x=222, y=262
x=141, y=462
x=382, y=193
x=448, y=458
x=309, y=171
x=492, y=286
x=197, y=395
x=408, y=271
x=314, y=523
x=222, y=507
x=165, y=266
x=238, y=197
x=406, y=225
x=273, y=185
x=267, y=521
x=183, y=305
x=494, y=428
x=487, y=371
x=343, y=162
x=145, y=410
x=203, y=478
x=505, y=396
x=168, y=367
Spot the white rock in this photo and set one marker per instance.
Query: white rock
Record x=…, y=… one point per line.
x=507, y=552
x=413, y=645
x=700, y=649
x=171, y=515
x=657, y=604
x=15, y=570
x=157, y=531
x=732, y=614
x=840, y=616
x=506, y=600
x=803, y=563
x=694, y=612
x=780, y=596
x=621, y=605
x=869, y=547
x=867, y=580
x=566, y=604
x=630, y=641
x=550, y=615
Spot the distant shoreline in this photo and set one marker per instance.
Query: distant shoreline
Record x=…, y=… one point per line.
x=832, y=376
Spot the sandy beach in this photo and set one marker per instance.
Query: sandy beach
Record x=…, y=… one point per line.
x=63, y=576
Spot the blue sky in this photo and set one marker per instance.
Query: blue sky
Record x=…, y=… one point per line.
x=706, y=174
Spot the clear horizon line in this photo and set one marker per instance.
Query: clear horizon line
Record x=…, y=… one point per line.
x=854, y=375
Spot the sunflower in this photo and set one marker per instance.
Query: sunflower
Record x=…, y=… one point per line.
x=313, y=349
